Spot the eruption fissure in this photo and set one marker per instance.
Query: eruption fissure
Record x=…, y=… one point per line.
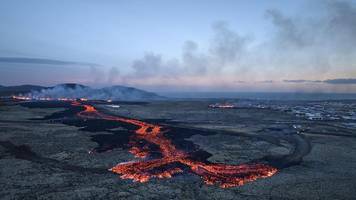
x=172, y=158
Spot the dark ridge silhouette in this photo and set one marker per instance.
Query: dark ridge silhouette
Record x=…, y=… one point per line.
x=74, y=90
x=42, y=61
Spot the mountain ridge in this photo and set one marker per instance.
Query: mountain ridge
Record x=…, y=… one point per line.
x=74, y=90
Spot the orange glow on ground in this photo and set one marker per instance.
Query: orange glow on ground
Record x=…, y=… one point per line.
x=143, y=170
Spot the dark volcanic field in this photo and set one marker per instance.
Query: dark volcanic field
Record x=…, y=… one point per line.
x=44, y=151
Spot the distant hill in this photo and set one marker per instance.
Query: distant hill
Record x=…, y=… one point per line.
x=71, y=85
x=73, y=90
x=130, y=93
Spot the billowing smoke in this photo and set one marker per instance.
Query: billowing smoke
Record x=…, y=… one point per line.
x=316, y=45
x=76, y=91
x=319, y=45
x=226, y=47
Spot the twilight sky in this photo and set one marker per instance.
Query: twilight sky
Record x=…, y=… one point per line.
x=183, y=45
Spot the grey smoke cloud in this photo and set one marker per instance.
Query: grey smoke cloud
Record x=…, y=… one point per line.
x=341, y=24
x=316, y=44
x=299, y=49
x=335, y=28
x=148, y=65
x=288, y=32
x=320, y=44
x=226, y=47
x=194, y=63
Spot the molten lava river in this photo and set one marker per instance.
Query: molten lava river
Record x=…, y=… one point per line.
x=173, y=160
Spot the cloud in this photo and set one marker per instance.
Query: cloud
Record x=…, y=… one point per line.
x=313, y=47
x=152, y=65
x=302, y=81
x=310, y=48
x=148, y=65
x=331, y=26
x=225, y=49
x=114, y=75
x=341, y=23
x=328, y=81
x=42, y=61
x=227, y=45
x=194, y=62
x=341, y=81
x=295, y=81
x=316, y=45
x=266, y=81
x=288, y=33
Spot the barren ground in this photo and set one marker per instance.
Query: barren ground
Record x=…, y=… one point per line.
x=43, y=159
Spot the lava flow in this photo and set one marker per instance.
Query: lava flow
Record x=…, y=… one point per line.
x=173, y=160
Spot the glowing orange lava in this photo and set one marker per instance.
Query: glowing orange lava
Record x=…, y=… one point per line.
x=143, y=170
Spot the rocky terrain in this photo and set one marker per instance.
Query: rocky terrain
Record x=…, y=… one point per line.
x=43, y=158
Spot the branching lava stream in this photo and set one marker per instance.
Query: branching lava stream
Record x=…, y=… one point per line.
x=173, y=159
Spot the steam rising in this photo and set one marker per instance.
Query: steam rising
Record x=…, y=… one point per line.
x=75, y=91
